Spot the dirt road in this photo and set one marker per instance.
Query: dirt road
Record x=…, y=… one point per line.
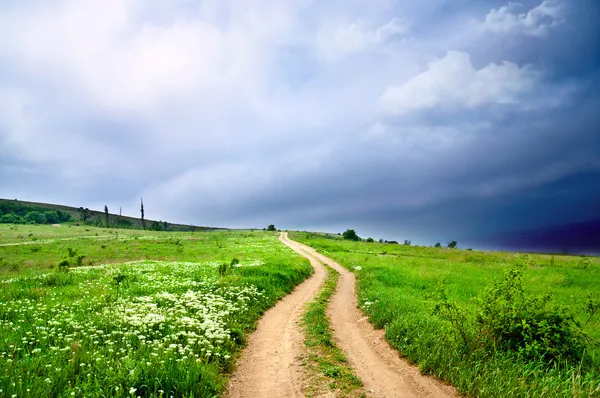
x=270, y=366
x=382, y=371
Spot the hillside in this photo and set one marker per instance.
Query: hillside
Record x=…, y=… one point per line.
x=97, y=217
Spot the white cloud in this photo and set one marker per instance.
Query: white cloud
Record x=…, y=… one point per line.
x=120, y=61
x=453, y=83
x=337, y=40
x=536, y=22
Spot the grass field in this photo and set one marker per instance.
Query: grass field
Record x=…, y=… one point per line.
x=398, y=288
x=100, y=312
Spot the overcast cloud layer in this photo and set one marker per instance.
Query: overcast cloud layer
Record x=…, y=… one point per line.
x=430, y=120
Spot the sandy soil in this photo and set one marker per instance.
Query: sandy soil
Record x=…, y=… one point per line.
x=270, y=365
x=383, y=372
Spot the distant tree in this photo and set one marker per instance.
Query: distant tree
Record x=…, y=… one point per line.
x=63, y=216
x=438, y=244
x=142, y=211
x=156, y=226
x=11, y=218
x=85, y=214
x=350, y=234
x=124, y=223
x=452, y=245
x=271, y=228
x=106, y=215
x=370, y=240
x=166, y=226
x=393, y=242
x=380, y=240
x=407, y=242
x=35, y=217
x=52, y=217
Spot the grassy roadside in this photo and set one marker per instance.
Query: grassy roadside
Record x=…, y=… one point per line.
x=396, y=288
x=327, y=366
x=169, y=323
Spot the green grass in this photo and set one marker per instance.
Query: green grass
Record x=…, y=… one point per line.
x=325, y=359
x=396, y=285
x=146, y=314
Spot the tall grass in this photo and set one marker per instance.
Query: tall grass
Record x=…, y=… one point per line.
x=397, y=288
x=172, y=326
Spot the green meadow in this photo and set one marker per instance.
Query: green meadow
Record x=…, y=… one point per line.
x=492, y=324
x=104, y=312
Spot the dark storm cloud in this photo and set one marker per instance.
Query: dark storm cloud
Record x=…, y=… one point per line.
x=426, y=121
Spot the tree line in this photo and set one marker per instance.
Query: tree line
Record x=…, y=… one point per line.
x=16, y=213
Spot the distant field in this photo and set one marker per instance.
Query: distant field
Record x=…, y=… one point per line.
x=398, y=287
x=103, y=312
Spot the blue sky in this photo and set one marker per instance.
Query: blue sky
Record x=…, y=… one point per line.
x=430, y=121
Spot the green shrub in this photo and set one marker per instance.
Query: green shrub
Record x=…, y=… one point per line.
x=51, y=217
x=35, y=217
x=11, y=218
x=350, y=234
x=63, y=266
x=534, y=328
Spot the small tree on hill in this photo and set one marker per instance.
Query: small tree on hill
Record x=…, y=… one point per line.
x=52, y=217
x=271, y=228
x=350, y=234
x=452, y=245
x=370, y=240
x=142, y=211
x=438, y=244
x=407, y=242
x=85, y=214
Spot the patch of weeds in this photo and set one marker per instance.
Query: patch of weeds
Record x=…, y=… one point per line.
x=64, y=265
x=534, y=328
x=224, y=267
x=584, y=263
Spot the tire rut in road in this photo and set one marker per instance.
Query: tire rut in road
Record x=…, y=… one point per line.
x=383, y=372
x=269, y=365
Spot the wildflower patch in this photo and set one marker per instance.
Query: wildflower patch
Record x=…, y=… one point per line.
x=147, y=328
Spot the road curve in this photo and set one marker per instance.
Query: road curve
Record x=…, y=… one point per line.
x=377, y=364
x=269, y=365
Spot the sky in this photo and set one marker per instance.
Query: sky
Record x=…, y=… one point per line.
x=432, y=121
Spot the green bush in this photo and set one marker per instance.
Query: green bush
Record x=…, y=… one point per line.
x=11, y=218
x=52, y=217
x=35, y=217
x=350, y=234
x=534, y=328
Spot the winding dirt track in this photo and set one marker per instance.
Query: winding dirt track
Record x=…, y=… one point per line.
x=376, y=363
x=269, y=366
